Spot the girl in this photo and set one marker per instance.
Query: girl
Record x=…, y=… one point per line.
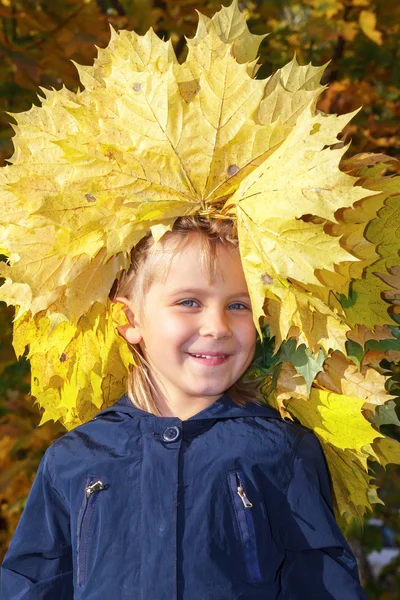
x=190, y=487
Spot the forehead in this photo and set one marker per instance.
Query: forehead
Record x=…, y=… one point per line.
x=189, y=262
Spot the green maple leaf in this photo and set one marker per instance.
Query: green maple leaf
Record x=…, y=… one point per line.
x=386, y=414
x=305, y=363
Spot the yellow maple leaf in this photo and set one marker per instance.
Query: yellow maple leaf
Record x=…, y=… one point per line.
x=316, y=324
x=387, y=450
x=274, y=240
x=231, y=28
x=76, y=369
x=289, y=92
x=146, y=141
x=348, y=440
x=368, y=308
x=338, y=416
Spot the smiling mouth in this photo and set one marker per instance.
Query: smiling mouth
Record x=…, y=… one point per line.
x=211, y=360
x=209, y=355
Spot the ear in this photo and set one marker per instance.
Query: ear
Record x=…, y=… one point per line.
x=130, y=331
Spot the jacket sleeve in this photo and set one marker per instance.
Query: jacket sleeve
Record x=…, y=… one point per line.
x=38, y=563
x=318, y=563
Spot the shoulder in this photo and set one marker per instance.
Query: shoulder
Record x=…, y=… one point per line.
x=308, y=467
x=89, y=442
x=303, y=454
x=80, y=453
x=290, y=433
x=280, y=443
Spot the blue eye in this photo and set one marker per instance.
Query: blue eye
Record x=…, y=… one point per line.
x=235, y=304
x=238, y=304
x=183, y=303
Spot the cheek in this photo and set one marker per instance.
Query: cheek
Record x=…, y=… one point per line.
x=176, y=331
x=248, y=335
x=250, y=344
x=250, y=348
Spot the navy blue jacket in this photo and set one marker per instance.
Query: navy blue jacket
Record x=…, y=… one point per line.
x=231, y=504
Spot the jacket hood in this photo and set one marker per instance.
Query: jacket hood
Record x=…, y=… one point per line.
x=223, y=408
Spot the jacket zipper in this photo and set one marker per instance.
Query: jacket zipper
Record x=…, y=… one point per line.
x=242, y=494
x=245, y=522
x=93, y=485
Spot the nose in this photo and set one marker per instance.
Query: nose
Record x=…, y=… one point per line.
x=216, y=324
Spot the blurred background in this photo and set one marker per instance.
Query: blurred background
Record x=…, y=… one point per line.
x=361, y=41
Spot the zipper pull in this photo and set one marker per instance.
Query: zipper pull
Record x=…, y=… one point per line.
x=242, y=494
x=94, y=487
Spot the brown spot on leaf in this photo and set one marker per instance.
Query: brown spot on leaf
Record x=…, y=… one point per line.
x=137, y=87
x=90, y=198
x=232, y=170
x=63, y=357
x=189, y=89
x=267, y=279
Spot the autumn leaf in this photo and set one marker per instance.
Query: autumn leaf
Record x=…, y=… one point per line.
x=392, y=278
x=386, y=415
x=304, y=363
x=290, y=385
x=147, y=139
x=327, y=8
x=91, y=198
x=289, y=92
x=348, y=440
x=231, y=28
x=379, y=333
x=69, y=360
x=379, y=252
x=343, y=377
x=368, y=26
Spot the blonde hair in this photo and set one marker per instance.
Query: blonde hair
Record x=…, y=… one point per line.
x=148, y=263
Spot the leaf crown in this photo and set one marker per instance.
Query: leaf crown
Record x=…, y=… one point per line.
x=149, y=140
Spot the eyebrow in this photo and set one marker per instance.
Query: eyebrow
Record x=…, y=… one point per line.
x=202, y=291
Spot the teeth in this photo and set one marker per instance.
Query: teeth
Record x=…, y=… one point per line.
x=208, y=356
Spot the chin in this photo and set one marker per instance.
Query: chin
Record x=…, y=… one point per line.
x=211, y=392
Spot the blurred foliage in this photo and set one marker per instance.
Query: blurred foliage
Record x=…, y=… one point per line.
x=38, y=40
x=22, y=445
x=360, y=38
x=368, y=536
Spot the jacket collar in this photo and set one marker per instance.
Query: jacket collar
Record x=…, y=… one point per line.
x=223, y=408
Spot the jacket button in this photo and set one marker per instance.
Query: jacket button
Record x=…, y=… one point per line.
x=170, y=434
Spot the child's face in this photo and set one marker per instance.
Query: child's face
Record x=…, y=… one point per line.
x=186, y=315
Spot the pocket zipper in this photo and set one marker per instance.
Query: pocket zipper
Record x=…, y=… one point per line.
x=242, y=494
x=84, y=521
x=94, y=487
x=245, y=522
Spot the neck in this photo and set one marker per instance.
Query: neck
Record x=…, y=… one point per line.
x=186, y=409
x=182, y=407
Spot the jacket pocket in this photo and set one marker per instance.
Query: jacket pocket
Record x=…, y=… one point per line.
x=245, y=521
x=84, y=526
